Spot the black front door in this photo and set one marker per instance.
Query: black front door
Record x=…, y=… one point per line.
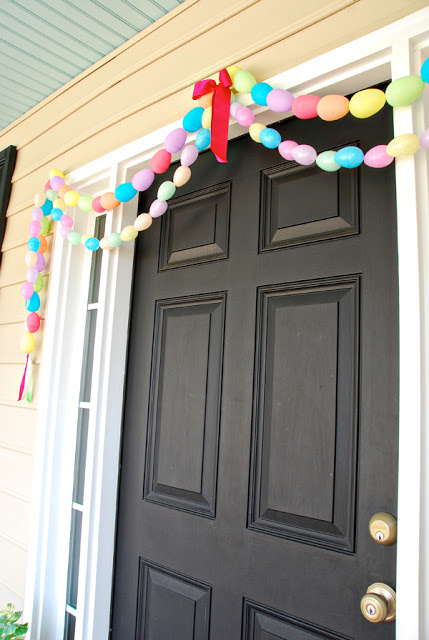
x=260, y=424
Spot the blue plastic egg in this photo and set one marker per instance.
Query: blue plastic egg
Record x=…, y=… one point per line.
x=92, y=244
x=270, y=138
x=34, y=244
x=47, y=207
x=192, y=120
x=424, y=72
x=34, y=303
x=349, y=157
x=259, y=93
x=57, y=214
x=125, y=192
x=203, y=139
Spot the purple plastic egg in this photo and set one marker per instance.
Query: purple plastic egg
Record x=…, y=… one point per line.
x=27, y=290
x=40, y=262
x=175, y=140
x=285, y=149
x=280, y=100
x=37, y=214
x=245, y=116
x=57, y=182
x=32, y=275
x=377, y=157
x=143, y=179
x=65, y=232
x=35, y=228
x=233, y=108
x=157, y=208
x=66, y=221
x=424, y=138
x=189, y=155
x=304, y=154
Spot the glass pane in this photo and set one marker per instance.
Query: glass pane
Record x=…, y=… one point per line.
x=80, y=457
x=70, y=626
x=94, y=281
x=74, y=555
x=88, y=356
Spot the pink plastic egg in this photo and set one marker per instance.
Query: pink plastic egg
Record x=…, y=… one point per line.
x=244, y=116
x=280, y=100
x=37, y=214
x=285, y=149
x=143, y=179
x=32, y=322
x=96, y=205
x=66, y=221
x=305, y=107
x=377, y=157
x=233, y=108
x=47, y=186
x=35, y=228
x=160, y=161
x=65, y=232
x=27, y=290
x=175, y=140
x=304, y=154
x=424, y=138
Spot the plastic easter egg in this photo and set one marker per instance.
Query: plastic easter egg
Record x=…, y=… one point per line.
x=39, y=199
x=44, y=226
x=47, y=208
x=192, y=120
x=259, y=93
x=85, y=203
x=43, y=244
x=65, y=231
x=305, y=107
x=47, y=186
x=40, y=262
x=424, y=138
x=403, y=91
x=232, y=70
x=71, y=198
x=56, y=182
x=30, y=258
x=234, y=108
x=270, y=138
x=326, y=161
x=255, y=130
x=280, y=100
x=332, y=107
x=108, y=201
x=104, y=244
x=92, y=244
x=243, y=82
x=34, y=228
x=32, y=275
x=285, y=149
x=166, y=190
x=32, y=322
x=114, y=240
x=51, y=194
x=27, y=290
x=424, y=71
x=175, y=140
x=34, y=244
x=349, y=157
x=404, y=145
x=125, y=192
x=203, y=139
x=143, y=179
x=206, y=120
x=160, y=161
x=34, y=303
x=129, y=233
x=188, y=155
x=244, y=116
x=96, y=205
x=38, y=285
x=143, y=222
x=56, y=172
x=58, y=203
x=63, y=190
x=181, y=176
x=27, y=343
x=66, y=221
x=366, y=103
x=57, y=214
x=74, y=237
x=206, y=100
x=158, y=208
x=85, y=237
x=37, y=214
x=377, y=157
x=304, y=154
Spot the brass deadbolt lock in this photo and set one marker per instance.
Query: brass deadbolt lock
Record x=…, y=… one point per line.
x=379, y=603
x=382, y=528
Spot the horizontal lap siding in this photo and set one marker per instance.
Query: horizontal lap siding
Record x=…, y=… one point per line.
x=136, y=89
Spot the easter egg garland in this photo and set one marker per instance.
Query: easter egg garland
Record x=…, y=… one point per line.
x=209, y=120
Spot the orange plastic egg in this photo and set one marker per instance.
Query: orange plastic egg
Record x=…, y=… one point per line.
x=108, y=201
x=43, y=244
x=63, y=189
x=206, y=100
x=332, y=107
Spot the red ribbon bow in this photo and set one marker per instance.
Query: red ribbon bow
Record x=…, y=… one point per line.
x=220, y=111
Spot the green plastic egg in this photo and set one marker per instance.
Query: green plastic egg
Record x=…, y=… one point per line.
x=44, y=226
x=326, y=161
x=403, y=91
x=85, y=203
x=243, y=81
x=166, y=190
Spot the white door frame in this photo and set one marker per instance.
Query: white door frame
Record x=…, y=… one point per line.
x=392, y=51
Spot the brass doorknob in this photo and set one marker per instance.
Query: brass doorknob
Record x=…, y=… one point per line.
x=379, y=603
x=382, y=528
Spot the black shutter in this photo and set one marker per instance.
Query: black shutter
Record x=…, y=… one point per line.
x=7, y=165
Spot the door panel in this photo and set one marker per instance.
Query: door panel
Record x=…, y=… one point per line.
x=260, y=421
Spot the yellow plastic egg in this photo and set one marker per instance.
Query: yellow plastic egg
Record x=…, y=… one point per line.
x=85, y=237
x=129, y=233
x=181, y=176
x=27, y=343
x=71, y=198
x=206, y=119
x=254, y=131
x=39, y=199
x=404, y=145
x=143, y=222
x=104, y=244
x=366, y=103
x=206, y=101
x=56, y=172
x=59, y=204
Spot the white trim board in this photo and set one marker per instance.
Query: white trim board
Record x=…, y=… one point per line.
x=395, y=50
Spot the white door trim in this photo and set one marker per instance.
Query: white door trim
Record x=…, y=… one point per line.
x=395, y=50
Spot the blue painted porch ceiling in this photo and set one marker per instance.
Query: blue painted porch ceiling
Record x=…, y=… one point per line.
x=44, y=44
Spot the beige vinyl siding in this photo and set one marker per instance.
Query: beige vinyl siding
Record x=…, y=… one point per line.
x=141, y=86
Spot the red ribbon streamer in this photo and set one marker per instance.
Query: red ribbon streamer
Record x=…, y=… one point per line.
x=21, y=388
x=220, y=111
